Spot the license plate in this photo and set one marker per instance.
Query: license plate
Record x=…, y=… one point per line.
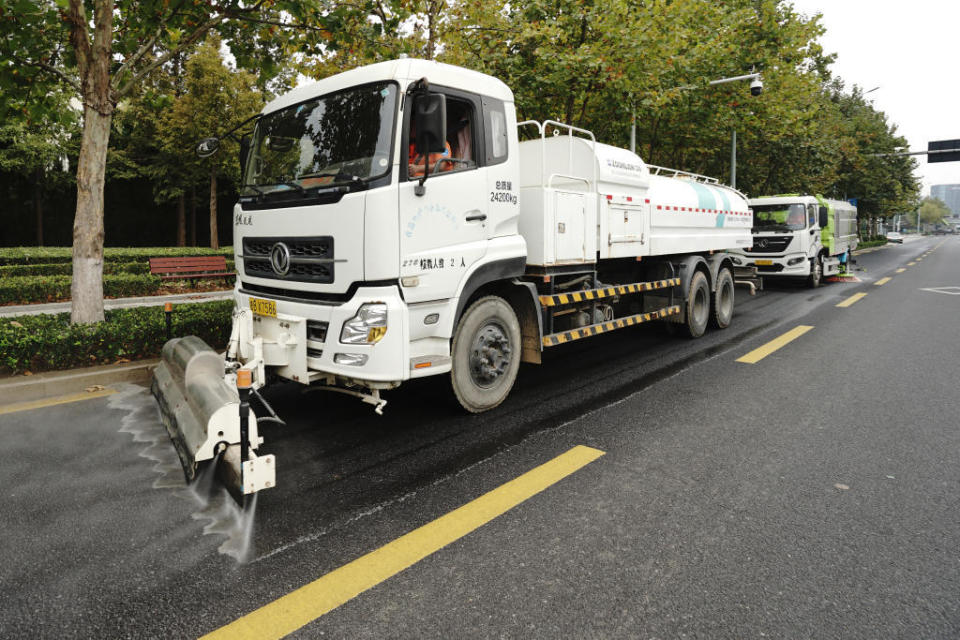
x=263, y=307
x=760, y=263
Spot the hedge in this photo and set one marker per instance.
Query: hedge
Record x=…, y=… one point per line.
x=866, y=244
x=27, y=255
x=66, y=268
x=46, y=342
x=31, y=289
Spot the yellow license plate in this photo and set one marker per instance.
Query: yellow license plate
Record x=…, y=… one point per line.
x=263, y=307
x=761, y=263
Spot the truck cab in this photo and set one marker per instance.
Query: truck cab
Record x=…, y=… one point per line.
x=351, y=257
x=800, y=236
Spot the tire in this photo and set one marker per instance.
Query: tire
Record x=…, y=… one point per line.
x=721, y=303
x=816, y=273
x=486, y=354
x=698, y=305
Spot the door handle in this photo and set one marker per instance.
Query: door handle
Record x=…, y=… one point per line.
x=477, y=217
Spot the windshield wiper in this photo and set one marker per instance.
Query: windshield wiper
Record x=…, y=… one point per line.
x=250, y=186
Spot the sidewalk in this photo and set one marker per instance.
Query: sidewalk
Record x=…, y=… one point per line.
x=115, y=303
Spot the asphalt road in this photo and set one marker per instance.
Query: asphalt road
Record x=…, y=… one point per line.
x=813, y=493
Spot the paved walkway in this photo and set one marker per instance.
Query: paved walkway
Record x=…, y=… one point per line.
x=116, y=303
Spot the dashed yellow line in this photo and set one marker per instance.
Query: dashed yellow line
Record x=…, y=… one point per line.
x=301, y=607
x=51, y=402
x=760, y=353
x=901, y=269
x=882, y=281
x=849, y=301
x=910, y=264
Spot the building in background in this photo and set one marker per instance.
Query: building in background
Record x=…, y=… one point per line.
x=949, y=194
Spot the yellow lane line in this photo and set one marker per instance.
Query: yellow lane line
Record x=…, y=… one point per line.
x=760, y=353
x=849, y=301
x=901, y=269
x=910, y=264
x=298, y=608
x=882, y=281
x=50, y=402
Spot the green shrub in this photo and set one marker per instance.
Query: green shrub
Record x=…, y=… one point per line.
x=46, y=342
x=29, y=255
x=33, y=289
x=66, y=268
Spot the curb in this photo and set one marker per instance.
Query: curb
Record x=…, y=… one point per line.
x=58, y=383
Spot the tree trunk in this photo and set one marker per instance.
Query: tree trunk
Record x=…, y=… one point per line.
x=193, y=216
x=86, y=290
x=182, y=220
x=214, y=241
x=38, y=204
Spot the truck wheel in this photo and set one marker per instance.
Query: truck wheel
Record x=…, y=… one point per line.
x=721, y=306
x=486, y=354
x=698, y=305
x=816, y=273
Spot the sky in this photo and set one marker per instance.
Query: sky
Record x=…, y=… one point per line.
x=911, y=51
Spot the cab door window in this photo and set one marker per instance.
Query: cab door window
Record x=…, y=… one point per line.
x=460, y=148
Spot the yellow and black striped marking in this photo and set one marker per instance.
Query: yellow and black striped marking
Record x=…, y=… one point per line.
x=594, y=329
x=561, y=299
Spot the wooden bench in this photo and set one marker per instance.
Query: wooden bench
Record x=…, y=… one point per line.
x=190, y=267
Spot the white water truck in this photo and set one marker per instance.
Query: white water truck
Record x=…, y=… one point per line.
x=393, y=226
x=801, y=237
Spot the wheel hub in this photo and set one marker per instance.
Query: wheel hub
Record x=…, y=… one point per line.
x=489, y=355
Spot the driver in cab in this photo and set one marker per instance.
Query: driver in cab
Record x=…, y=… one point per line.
x=415, y=160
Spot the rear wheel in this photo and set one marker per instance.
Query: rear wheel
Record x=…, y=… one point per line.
x=721, y=307
x=486, y=354
x=698, y=305
x=816, y=273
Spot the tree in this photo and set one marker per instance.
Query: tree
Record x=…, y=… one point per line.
x=932, y=211
x=40, y=151
x=215, y=98
x=103, y=50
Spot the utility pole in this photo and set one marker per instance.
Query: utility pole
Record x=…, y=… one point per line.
x=733, y=159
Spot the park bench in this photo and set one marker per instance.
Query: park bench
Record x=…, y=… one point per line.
x=190, y=267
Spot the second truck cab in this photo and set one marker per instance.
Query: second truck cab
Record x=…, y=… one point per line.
x=800, y=236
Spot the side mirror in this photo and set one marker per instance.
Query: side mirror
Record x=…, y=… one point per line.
x=824, y=217
x=244, y=152
x=207, y=147
x=430, y=120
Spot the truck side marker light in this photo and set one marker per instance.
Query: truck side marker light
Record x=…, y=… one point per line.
x=432, y=318
x=760, y=353
x=299, y=608
x=422, y=365
x=849, y=301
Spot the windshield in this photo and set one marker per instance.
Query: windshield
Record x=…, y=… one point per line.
x=344, y=138
x=779, y=217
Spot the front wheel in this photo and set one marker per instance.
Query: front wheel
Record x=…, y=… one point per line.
x=816, y=273
x=486, y=354
x=721, y=307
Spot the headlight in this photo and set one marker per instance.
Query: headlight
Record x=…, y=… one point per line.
x=367, y=327
x=793, y=261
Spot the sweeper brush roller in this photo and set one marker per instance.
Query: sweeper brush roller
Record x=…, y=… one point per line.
x=200, y=407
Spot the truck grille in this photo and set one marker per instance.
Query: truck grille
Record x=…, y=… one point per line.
x=311, y=259
x=768, y=244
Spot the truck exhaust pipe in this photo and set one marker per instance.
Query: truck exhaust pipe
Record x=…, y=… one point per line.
x=203, y=412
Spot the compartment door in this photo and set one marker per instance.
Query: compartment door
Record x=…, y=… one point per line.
x=628, y=226
x=570, y=211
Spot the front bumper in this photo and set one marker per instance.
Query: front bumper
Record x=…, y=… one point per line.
x=302, y=342
x=775, y=265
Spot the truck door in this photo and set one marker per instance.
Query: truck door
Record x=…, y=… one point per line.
x=444, y=231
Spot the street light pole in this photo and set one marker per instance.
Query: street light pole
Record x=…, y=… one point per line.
x=733, y=159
